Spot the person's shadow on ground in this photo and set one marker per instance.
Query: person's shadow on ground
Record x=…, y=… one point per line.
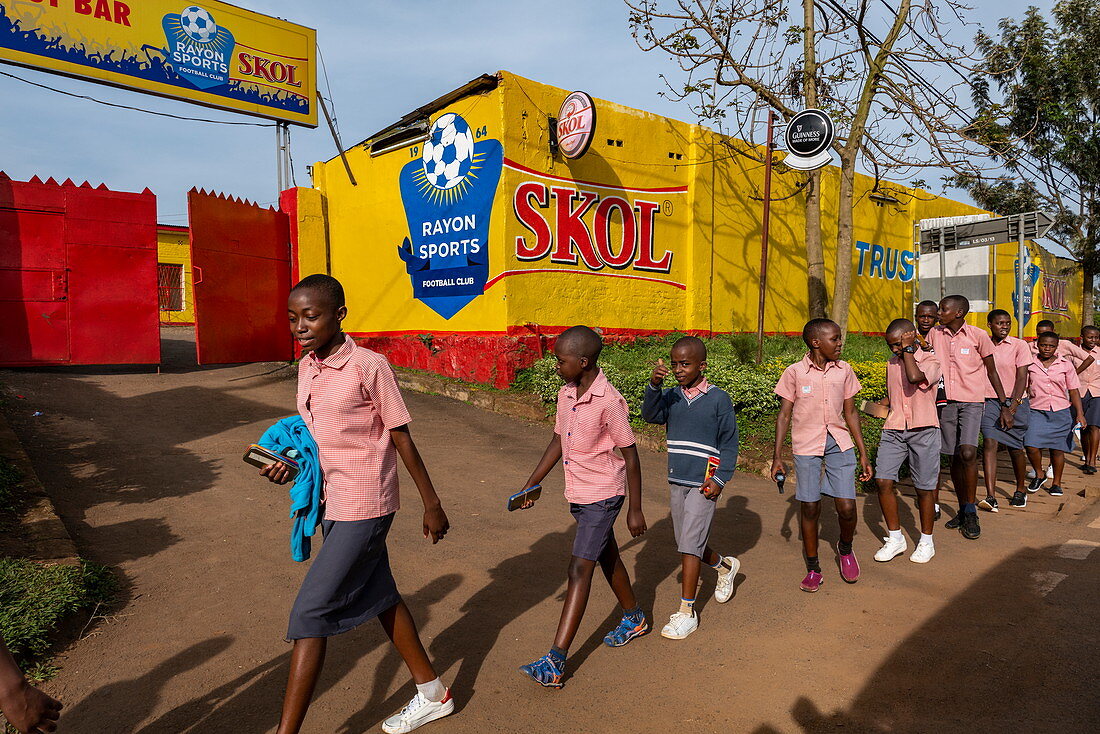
x=517, y=585
x=252, y=700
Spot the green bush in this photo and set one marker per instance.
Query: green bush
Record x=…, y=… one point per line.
x=35, y=598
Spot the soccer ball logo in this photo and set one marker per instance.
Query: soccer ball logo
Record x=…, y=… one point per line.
x=448, y=152
x=198, y=24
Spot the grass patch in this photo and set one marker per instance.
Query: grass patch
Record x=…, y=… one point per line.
x=35, y=599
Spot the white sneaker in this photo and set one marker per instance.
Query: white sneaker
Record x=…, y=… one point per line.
x=923, y=553
x=890, y=549
x=723, y=588
x=1050, y=472
x=1030, y=473
x=680, y=625
x=417, y=713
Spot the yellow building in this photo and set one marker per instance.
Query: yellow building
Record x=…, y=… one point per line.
x=174, y=286
x=467, y=238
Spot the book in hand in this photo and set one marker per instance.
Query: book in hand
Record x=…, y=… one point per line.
x=874, y=409
x=257, y=455
x=519, y=499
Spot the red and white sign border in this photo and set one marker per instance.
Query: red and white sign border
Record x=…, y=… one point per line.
x=588, y=132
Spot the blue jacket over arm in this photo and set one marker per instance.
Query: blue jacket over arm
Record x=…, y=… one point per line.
x=305, y=492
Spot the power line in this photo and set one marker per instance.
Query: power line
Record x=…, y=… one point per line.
x=135, y=109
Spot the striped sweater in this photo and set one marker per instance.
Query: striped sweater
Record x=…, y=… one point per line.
x=699, y=431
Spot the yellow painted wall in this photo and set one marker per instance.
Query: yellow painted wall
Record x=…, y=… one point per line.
x=705, y=208
x=174, y=247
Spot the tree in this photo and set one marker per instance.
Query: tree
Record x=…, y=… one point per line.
x=895, y=100
x=1038, y=102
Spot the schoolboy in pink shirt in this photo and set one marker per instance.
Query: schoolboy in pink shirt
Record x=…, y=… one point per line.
x=1054, y=387
x=1012, y=356
x=911, y=432
x=817, y=404
x=592, y=422
x=1090, y=397
x=966, y=355
x=349, y=399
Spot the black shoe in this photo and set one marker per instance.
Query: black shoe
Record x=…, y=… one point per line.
x=1088, y=469
x=1019, y=499
x=1055, y=491
x=954, y=522
x=936, y=517
x=1036, y=484
x=970, y=528
x=989, y=503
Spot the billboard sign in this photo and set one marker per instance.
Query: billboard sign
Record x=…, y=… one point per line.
x=809, y=137
x=210, y=53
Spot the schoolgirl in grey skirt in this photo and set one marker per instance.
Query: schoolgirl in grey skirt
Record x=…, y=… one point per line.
x=1053, y=388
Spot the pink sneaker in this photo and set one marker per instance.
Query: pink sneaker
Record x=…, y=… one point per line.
x=849, y=567
x=812, y=582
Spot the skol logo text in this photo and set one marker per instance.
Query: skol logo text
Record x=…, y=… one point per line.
x=571, y=239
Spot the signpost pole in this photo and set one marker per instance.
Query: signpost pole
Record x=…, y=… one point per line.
x=764, y=227
x=943, y=267
x=1021, y=256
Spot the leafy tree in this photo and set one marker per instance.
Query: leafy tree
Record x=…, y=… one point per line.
x=1038, y=101
x=889, y=75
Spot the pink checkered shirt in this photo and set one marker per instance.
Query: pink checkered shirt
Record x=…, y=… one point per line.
x=1090, y=378
x=350, y=402
x=693, y=392
x=1048, y=387
x=591, y=428
x=962, y=355
x=1009, y=355
x=912, y=406
x=818, y=396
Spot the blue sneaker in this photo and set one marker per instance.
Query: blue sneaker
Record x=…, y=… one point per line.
x=545, y=672
x=629, y=628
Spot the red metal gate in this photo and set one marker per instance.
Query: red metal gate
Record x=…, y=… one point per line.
x=240, y=253
x=78, y=275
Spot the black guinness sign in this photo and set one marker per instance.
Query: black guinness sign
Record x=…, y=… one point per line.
x=809, y=137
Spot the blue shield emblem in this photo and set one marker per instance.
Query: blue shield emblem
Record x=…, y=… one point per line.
x=199, y=49
x=448, y=199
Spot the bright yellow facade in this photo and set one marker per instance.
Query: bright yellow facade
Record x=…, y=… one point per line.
x=656, y=228
x=174, y=248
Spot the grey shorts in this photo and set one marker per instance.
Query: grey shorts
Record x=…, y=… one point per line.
x=833, y=474
x=960, y=424
x=595, y=526
x=348, y=583
x=921, y=447
x=692, y=514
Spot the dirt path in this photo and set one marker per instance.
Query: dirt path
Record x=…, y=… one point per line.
x=994, y=635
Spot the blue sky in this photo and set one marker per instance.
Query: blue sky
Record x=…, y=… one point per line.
x=383, y=59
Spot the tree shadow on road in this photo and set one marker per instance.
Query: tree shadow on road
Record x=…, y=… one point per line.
x=251, y=701
x=1013, y=652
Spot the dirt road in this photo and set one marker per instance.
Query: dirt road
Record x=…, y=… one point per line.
x=996, y=635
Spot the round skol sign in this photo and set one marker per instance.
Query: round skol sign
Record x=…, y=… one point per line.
x=576, y=125
x=809, y=137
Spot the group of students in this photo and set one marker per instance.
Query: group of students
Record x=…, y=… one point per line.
x=947, y=383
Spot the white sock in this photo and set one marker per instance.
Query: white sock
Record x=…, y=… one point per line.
x=433, y=690
x=722, y=567
x=896, y=534
x=937, y=507
x=926, y=538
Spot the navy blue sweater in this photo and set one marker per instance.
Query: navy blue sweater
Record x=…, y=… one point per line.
x=698, y=430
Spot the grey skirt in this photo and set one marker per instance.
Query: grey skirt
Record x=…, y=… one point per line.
x=348, y=583
x=1013, y=438
x=1050, y=429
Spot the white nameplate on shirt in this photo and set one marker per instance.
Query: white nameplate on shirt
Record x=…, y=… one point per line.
x=964, y=351
x=806, y=389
